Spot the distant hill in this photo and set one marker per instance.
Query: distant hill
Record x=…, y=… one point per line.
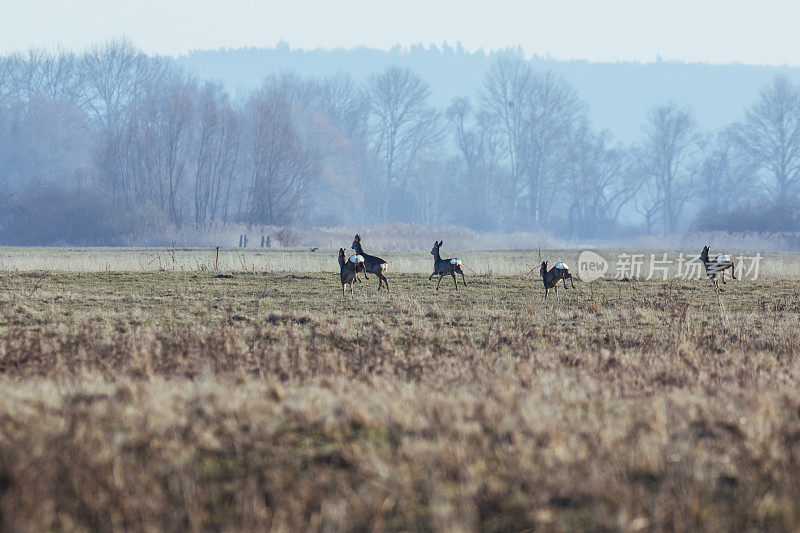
x=618, y=94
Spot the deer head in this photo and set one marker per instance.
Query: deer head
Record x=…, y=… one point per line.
x=543, y=269
x=436, y=246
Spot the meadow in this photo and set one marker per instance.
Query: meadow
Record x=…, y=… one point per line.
x=143, y=389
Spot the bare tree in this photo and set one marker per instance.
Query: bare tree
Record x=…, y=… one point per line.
x=770, y=137
x=504, y=97
x=216, y=153
x=281, y=168
x=667, y=158
x=116, y=75
x=726, y=175
x=535, y=113
x=597, y=180
x=404, y=126
x=6, y=73
x=484, y=185
x=345, y=103
x=119, y=79
x=553, y=110
x=155, y=147
x=335, y=125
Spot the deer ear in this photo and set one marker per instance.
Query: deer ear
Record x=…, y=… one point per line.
x=440, y=243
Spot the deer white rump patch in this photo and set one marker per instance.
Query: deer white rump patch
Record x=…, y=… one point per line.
x=722, y=258
x=456, y=262
x=356, y=258
x=384, y=266
x=562, y=265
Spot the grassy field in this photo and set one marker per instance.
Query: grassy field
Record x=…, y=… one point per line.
x=170, y=399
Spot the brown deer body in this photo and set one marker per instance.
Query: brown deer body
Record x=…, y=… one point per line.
x=349, y=269
x=445, y=267
x=717, y=266
x=551, y=277
x=372, y=264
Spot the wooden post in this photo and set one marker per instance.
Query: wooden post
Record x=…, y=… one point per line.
x=216, y=262
x=245, y=241
x=240, y=240
x=268, y=245
x=262, y=241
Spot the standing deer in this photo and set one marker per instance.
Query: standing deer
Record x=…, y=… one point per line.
x=349, y=269
x=445, y=267
x=551, y=278
x=717, y=266
x=372, y=264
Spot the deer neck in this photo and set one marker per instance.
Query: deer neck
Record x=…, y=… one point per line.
x=358, y=249
x=436, y=257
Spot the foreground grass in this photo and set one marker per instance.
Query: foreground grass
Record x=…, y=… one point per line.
x=182, y=400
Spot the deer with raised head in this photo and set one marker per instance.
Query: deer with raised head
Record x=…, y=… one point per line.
x=551, y=277
x=372, y=264
x=717, y=266
x=349, y=267
x=445, y=267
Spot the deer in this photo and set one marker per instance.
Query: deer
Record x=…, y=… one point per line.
x=717, y=266
x=349, y=269
x=550, y=278
x=372, y=264
x=445, y=267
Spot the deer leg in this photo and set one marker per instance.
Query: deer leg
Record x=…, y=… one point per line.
x=431, y=276
x=343, y=291
x=385, y=282
x=454, y=279
x=463, y=279
x=564, y=279
x=556, y=287
x=733, y=272
x=545, y=293
x=438, y=282
x=723, y=277
x=571, y=282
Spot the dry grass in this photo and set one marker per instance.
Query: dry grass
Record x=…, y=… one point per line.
x=176, y=400
x=782, y=265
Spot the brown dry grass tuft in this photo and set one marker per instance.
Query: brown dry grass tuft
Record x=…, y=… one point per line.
x=179, y=400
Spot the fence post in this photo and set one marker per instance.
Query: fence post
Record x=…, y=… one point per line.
x=268, y=245
x=245, y=241
x=216, y=261
x=240, y=241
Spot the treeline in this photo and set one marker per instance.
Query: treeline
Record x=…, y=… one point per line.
x=101, y=147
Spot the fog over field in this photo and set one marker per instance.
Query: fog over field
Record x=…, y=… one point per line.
x=112, y=146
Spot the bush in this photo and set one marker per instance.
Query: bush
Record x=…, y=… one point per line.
x=769, y=219
x=54, y=215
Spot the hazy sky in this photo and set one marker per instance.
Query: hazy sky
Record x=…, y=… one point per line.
x=754, y=31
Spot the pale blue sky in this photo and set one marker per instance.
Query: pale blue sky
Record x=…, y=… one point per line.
x=714, y=31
